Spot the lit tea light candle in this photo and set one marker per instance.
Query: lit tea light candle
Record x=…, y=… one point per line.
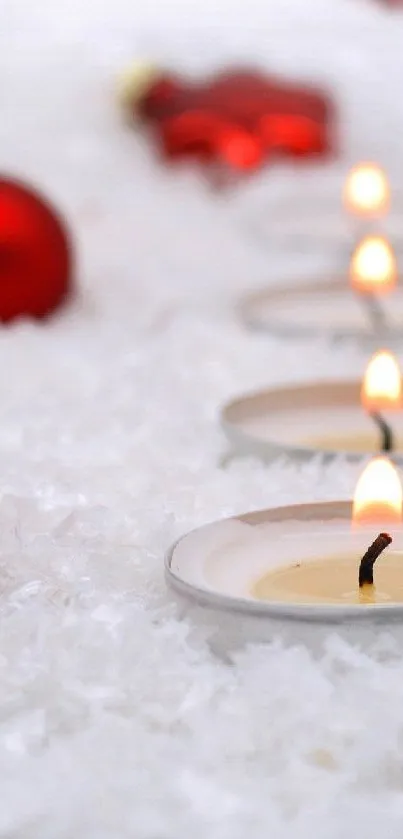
x=366, y=191
x=381, y=401
x=373, y=267
x=343, y=576
x=311, y=215
x=358, y=418
x=327, y=307
x=373, y=272
x=382, y=389
x=299, y=571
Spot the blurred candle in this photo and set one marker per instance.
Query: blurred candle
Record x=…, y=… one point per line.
x=366, y=191
x=373, y=267
x=382, y=389
x=382, y=383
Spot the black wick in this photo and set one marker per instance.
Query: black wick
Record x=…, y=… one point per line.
x=375, y=310
x=366, y=572
x=386, y=432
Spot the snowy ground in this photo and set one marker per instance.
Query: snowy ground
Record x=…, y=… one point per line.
x=115, y=719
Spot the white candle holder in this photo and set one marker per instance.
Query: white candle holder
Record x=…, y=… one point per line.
x=325, y=309
x=212, y=571
x=308, y=217
x=319, y=418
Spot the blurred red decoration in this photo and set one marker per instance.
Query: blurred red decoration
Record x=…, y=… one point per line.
x=240, y=118
x=35, y=254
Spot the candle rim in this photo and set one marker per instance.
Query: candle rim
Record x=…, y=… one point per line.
x=315, y=394
x=332, y=614
x=252, y=315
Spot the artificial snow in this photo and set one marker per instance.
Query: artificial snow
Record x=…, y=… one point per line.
x=116, y=720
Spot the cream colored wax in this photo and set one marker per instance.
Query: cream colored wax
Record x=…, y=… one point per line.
x=333, y=579
x=351, y=442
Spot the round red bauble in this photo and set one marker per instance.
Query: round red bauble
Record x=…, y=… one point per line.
x=35, y=254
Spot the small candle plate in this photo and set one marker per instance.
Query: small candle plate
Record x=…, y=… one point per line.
x=308, y=217
x=325, y=231
x=325, y=309
x=303, y=421
x=213, y=572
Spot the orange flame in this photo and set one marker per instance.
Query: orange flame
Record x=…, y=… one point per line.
x=382, y=385
x=378, y=495
x=366, y=191
x=373, y=266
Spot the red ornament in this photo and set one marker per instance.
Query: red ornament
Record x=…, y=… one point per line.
x=240, y=118
x=35, y=254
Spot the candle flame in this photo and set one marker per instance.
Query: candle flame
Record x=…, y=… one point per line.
x=382, y=385
x=366, y=191
x=373, y=266
x=378, y=495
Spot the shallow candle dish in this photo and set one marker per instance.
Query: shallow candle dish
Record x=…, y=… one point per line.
x=324, y=418
x=325, y=309
x=310, y=218
x=213, y=571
